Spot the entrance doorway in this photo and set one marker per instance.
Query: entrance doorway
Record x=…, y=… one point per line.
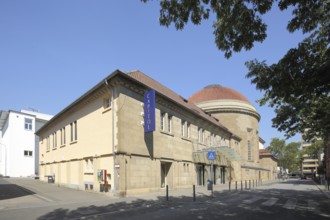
x=164, y=170
x=200, y=170
x=223, y=175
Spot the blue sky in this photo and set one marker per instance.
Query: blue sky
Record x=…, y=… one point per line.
x=51, y=52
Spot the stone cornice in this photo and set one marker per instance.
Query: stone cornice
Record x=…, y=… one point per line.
x=234, y=110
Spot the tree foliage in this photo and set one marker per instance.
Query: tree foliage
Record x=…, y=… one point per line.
x=230, y=27
x=287, y=154
x=298, y=85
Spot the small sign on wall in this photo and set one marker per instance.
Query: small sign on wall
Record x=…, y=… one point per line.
x=149, y=111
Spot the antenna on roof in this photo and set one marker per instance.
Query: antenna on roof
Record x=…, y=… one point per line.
x=32, y=109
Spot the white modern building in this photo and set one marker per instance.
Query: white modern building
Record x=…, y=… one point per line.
x=19, y=146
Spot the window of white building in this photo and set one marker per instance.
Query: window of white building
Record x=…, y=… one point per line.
x=28, y=123
x=28, y=153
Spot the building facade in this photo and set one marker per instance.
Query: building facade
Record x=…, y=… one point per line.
x=98, y=142
x=268, y=162
x=236, y=113
x=19, y=146
x=309, y=164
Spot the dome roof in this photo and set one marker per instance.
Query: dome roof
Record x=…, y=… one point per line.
x=217, y=92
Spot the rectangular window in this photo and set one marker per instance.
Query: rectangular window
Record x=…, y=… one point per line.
x=55, y=139
x=92, y=165
x=28, y=123
x=63, y=136
x=71, y=132
x=162, y=121
x=86, y=165
x=75, y=131
x=188, y=130
x=203, y=136
x=106, y=103
x=169, y=123
x=183, y=123
x=249, y=151
x=48, y=144
x=28, y=153
x=199, y=135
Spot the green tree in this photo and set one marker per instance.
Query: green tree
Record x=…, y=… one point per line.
x=291, y=158
x=298, y=85
x=287, y=154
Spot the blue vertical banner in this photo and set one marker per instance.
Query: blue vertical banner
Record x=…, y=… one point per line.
x=149, y=111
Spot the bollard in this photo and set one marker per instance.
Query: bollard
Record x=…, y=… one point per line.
x=245, y=185
x=236, y=185
x=241, y=185
x=229, y=185
x=194, y=193
x=253, y=184
x=166, y=192
x=249, y=184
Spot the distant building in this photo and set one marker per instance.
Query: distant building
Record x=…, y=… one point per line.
x=268, y=162
x=309, y=163
x=261, y=144
x=19, y=146
x=99, y=142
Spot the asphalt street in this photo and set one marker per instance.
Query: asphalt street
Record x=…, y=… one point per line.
x=291, y=199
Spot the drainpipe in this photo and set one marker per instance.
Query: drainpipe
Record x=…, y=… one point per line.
x=113, y=134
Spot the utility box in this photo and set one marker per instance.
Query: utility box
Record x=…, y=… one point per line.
x=209, y=185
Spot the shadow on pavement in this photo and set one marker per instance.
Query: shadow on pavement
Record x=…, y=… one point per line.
x=119, y=210
x=10, y=191
x=223, y=205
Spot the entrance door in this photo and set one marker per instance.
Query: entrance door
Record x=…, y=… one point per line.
x=223, y=175
x=215, y=172
x=164, y=169
x=200, y=175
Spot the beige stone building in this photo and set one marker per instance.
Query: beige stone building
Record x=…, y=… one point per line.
x=269, y=163
x=98, y=142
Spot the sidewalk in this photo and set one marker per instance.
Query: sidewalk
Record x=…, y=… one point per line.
x=323, y=189
x=201, y=192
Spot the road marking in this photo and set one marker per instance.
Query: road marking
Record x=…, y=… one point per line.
x=270, y=202
x=313, y=206
x=249, y=201
x=290, y=204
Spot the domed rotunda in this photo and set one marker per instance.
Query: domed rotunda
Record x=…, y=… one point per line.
x=235, y=112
